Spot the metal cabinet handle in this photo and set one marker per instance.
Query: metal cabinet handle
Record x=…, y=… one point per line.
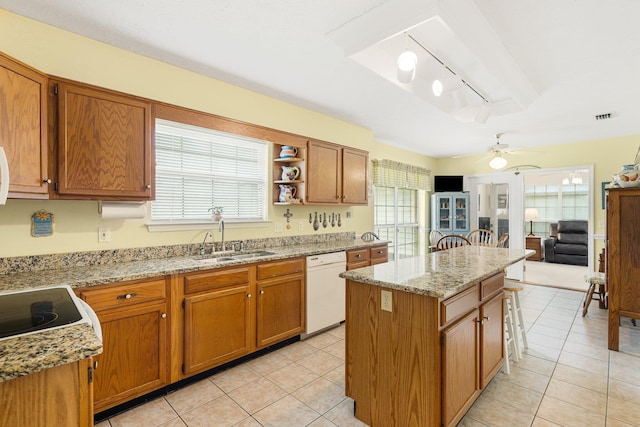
x=46, y=181
x=148, y=186
x=337, y=196
x=164, y=315
x=95, y=364
x=357, y=255
x=248, y=295
x=261, y=291
x=127, y=296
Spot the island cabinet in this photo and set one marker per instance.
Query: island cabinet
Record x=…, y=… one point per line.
x=622, y=268
x=23, y=128
x=365, y=257
x=422, y=360
x=135, y=327
x=336, y=174
x=104, y=149
x=59, y=396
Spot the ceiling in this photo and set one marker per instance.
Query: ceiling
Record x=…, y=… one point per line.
x=547, y=67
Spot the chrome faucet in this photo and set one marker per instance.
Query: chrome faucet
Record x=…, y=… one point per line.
x=221, y=230
x=204, y=244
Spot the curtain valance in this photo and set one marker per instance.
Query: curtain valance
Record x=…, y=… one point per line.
x=389, y=173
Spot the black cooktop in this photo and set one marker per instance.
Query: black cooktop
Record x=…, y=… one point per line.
x=37, y=309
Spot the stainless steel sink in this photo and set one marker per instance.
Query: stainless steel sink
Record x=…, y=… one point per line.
x=231, y=257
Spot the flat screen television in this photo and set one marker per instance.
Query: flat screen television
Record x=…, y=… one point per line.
x=443, y=183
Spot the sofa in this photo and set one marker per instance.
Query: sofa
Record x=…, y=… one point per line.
x=568, y=243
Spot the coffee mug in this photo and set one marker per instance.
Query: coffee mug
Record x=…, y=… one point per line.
x=288, y=151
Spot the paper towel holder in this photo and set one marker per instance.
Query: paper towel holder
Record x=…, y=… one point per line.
x=122, y=210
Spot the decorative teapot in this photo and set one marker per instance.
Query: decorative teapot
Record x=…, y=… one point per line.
x=288, y=151
x=287, y=193
x=290, y=173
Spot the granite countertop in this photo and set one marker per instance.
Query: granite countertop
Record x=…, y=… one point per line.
x=31, y=353
x=439, y=274
x=134, y=270
x=47, y=349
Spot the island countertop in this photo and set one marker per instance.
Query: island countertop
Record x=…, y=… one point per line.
x=439, y=274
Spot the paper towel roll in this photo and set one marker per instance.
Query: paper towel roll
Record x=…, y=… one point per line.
x=114, y=210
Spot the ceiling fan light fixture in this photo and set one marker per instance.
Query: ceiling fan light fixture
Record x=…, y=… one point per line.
x=407, y=66
x=498, y=162
x=446, y=85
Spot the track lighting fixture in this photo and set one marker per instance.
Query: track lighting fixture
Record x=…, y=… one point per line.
x=446, y=85
x=407, y=66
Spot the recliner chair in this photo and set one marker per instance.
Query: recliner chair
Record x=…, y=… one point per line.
x=568, y=242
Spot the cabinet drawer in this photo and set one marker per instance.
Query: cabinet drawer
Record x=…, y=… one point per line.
x=125, y=295
x=216, y=279
x=358, y=256
x=457, y=305
x=490, y=286
x=280, y=268
x=379, y=252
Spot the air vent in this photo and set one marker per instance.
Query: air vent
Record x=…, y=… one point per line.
x=603, y=116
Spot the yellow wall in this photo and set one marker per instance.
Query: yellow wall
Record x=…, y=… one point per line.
x=60, y=53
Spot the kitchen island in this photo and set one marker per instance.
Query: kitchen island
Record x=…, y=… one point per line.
x=425, y=335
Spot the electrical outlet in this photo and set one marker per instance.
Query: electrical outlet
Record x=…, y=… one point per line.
x=104, y=235
x=300, y=225
x=386, y=301
x=277, y=227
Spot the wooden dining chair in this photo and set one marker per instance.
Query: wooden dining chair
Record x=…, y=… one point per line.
x=451, y=241
x=434, y=236
x=503, y=241
x=481, y=237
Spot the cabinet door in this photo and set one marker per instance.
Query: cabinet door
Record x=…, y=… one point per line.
x=460, y=368
x=23, y=128
x=354, y=176
x=323, y=173
x=460, y=214
x=443, y=213
x=104, y=144
x=218, y=328
x=491, y=338
x=281, y=309
x=135, y=354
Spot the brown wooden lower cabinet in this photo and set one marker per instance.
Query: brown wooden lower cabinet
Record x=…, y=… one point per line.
x=365, y=257
x=425, y=362
x=60, y=396
x=135, y=357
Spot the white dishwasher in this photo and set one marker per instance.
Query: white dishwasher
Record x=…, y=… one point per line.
x=325, y=291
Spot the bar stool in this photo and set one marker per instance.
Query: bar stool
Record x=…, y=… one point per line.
x=519, y=326
x=510, y=333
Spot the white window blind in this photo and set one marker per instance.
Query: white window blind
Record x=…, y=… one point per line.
x=199, y=168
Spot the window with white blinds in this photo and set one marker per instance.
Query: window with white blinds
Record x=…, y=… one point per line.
x=199, y=168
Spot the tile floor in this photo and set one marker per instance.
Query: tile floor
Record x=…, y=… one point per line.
x=566, y=378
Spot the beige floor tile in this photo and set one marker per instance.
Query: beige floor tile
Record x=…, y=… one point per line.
x=577, y=337
x=536, y=364
x=542, y=351
x=541, y=422
x=269, y=363
x=177, y=422
x=581, y=378
x=286, y=412
x=624, y=410
x=320, y=341
x=297, y=350
x=336, y=376
x=320, y=362
x=192, y=396
x=623, y=390
x=235, y=377
x=292, y=377
x=549, y=331
x=337, y=349
x=248, y=422
x=585, y=363
x=576, y=395
x=150, y=414
x=220, y=412
x=502, y=390
x=257, y=395
x=545, y=340
x=342, y=415
x=104, y=423
x=568, y=415
x=320, y=395
x=338, y=332
x=467, y=421
x=594, y=351
x=612, y=422
x=527, y=379
x=497, y=414
x=322, y=422
x=564, y=323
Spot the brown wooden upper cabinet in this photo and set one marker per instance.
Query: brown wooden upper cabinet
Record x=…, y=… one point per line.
x=336, y=174
x=23, y=128
x=104, y=144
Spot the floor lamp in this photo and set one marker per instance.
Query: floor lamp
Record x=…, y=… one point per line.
x=529, y=215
